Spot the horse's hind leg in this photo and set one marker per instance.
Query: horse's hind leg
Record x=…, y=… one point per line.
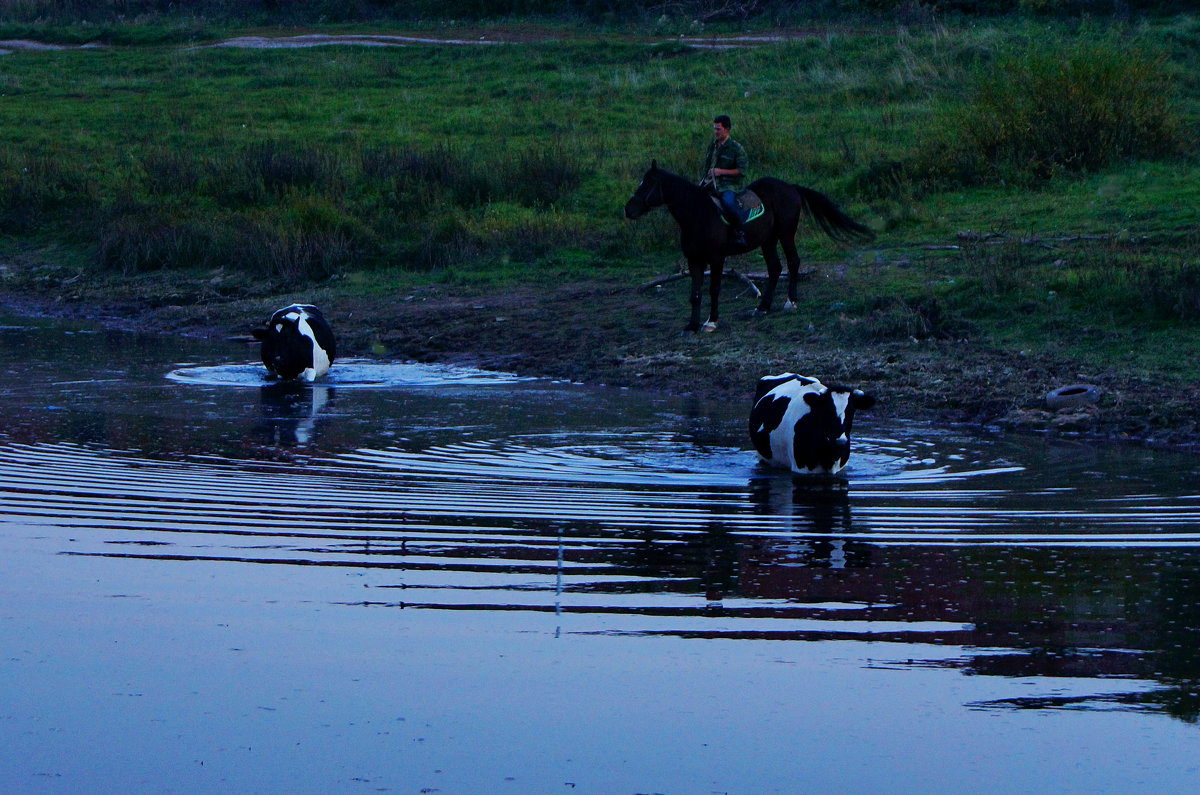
x=788, y=241
x=715, y=275
x=774, y=268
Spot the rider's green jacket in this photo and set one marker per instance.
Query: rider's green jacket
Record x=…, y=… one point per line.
x=728, y=155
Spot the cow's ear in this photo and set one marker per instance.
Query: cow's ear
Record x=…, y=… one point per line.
x=654, y=165
x=813, y=399
x=259, y=333
x=861, y=400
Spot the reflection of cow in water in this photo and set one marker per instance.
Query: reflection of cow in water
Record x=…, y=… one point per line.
x=289, y=412
x=798, y=423
x=297, y=342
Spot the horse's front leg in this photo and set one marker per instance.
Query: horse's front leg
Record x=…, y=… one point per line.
x=774, y=268
x=715, y=276
x=696, y=269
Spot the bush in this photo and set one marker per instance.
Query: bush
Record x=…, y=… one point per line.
x=1041, y=111
x=1078, y=108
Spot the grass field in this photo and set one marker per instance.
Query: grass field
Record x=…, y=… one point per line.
x=479, y=166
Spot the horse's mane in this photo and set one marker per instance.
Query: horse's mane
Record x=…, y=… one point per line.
x=671, y=175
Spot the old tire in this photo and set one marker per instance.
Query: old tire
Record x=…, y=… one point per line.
x=1072, y=397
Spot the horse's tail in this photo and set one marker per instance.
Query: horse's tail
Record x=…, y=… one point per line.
x=830, y=217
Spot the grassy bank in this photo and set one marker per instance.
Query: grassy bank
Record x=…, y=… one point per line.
x=190, y=173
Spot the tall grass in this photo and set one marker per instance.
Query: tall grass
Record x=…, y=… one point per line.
x=286, y=213
x=40, y=188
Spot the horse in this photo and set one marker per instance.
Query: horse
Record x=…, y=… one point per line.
x=706, y=239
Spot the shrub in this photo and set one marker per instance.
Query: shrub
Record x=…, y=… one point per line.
x=1036, y=112
x=1081, y=107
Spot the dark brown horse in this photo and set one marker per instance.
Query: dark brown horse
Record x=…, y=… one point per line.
x=706, y=240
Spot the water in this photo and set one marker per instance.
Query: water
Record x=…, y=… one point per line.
x=416, y=578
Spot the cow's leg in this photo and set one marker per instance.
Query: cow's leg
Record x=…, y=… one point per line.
x=716, y=274
x=771, y=256
x=696, y=270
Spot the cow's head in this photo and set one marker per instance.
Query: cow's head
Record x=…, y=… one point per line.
x=297, y=342
x=821, y=440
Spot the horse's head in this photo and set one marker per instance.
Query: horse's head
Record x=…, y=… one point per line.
x=649, y=193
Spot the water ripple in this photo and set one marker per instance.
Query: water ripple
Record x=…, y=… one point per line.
x=351, y=374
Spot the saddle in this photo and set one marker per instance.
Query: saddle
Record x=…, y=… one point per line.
x=748, y=202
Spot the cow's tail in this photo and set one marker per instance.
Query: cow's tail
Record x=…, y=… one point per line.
x=830, y=218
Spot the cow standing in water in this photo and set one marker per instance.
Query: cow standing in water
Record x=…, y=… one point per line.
x=297, y=342
x=798, y=423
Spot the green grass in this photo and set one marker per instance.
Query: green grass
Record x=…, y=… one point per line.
x=490, y=165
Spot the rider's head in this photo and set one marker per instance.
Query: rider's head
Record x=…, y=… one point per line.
x=724, y=121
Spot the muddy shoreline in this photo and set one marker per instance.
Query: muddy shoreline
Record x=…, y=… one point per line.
x=617, y=334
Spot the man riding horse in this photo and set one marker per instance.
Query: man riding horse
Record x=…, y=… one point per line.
x=725, y=166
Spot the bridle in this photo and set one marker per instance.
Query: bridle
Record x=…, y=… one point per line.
x=646, y=200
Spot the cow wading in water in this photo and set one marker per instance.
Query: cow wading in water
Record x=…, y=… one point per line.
x=297, y=342
x=800, y=424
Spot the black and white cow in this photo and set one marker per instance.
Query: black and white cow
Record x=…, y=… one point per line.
x=297, y=342
x=800, y=424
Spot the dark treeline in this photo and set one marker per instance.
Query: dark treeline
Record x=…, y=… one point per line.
x=58, y=12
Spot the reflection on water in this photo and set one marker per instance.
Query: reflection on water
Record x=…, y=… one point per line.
x=625, y=516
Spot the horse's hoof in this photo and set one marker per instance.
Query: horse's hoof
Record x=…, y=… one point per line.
x=709, y=327
x=760, y=313
x=790, y=306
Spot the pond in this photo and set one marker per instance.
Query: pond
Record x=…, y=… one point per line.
x=427, y=578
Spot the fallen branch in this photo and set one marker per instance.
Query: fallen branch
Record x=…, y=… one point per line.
x=730, y=273
x=746, y=279
x=662, y=280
